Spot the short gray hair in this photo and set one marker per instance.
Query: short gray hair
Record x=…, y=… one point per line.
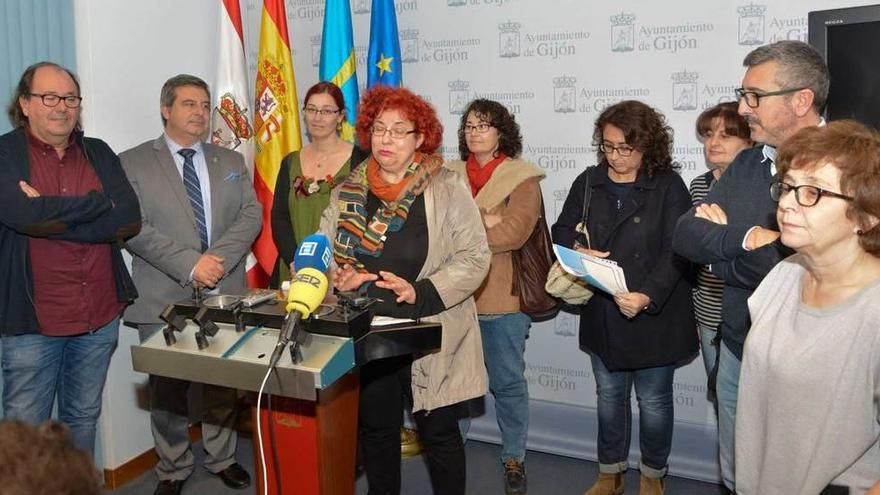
x=169, y=90
x=800, y=66
x=23, y=90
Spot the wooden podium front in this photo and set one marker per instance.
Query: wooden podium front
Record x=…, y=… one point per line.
x=316, y=441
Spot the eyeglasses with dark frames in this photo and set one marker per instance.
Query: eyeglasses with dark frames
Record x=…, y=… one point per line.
x=52, y=100
x=609, y=149
x=323, y=112
x=804, y=194
x=396, y=133
x=753, y=98
x=481, y=128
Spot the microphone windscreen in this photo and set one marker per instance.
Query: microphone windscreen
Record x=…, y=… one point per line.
x=313, y=252
x=307, y=290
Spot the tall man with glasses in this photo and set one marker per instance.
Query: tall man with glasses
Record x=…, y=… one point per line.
x=735, y=231
x=200, y=217
x=65, y=208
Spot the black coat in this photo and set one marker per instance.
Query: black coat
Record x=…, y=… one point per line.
x=639, y=238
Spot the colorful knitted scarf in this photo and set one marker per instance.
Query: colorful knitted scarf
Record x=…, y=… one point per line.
x=354, y=235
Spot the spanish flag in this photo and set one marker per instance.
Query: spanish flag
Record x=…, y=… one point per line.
x=276, y=126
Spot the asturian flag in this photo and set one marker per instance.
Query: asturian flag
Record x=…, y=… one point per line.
x=276, y=124
x=338, y=62
x=383, y=60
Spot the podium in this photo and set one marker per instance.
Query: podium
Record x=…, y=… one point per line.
x=314, y=401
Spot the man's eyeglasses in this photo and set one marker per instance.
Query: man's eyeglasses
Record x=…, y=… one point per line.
x=480, y=128
x=396, y=132
x=805, y=195
x=753, y=98
x=609, y=149
x=51, y=100
x=323, y=112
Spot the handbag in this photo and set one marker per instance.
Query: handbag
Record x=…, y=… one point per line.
x=531, y=264
x=562, y=284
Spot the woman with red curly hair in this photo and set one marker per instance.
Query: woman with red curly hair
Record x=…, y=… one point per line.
x=407, y=232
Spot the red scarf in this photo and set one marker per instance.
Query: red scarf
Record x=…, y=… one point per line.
x=478, y=176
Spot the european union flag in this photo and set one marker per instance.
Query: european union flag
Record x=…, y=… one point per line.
x=383, y=61
x=338, y=62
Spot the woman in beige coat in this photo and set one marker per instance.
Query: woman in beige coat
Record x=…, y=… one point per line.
x=508, y=193
x=407, y=232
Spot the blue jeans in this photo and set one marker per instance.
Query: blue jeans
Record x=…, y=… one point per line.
x=504, y=345
x=37, y=368
x=654, y=394
x=708, y=351
x=727, y=388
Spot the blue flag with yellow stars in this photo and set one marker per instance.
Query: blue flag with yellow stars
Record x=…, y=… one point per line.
x=383, y=60
x=338, y=62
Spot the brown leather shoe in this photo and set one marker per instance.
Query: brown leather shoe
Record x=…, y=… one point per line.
x=651, y=486
x=607, y=484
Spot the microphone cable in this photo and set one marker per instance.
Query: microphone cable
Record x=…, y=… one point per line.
x=273, y=445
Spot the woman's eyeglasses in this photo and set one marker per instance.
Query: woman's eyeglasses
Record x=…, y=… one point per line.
x=805, y=195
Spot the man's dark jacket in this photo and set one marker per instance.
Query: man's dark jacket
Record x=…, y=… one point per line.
x=743, y=192
x=98, y=217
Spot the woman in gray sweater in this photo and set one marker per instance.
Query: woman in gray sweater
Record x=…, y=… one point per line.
x=808, y=410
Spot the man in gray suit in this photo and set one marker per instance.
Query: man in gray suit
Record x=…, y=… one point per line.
x=200, y=216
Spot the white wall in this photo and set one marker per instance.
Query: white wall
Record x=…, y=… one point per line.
x=556, y=63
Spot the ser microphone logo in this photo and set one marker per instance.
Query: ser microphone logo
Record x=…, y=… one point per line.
x=312, y=280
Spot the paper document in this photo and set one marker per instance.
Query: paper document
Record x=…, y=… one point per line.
x=602, y=274
x=384, y=321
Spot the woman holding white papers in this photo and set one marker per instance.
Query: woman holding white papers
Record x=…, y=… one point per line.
x=637, y=337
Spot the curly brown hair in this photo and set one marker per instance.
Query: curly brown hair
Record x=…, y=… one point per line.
x=496, y=114
x=852, y=148
x=36, y=460
x=422, y=114
x=645, y=130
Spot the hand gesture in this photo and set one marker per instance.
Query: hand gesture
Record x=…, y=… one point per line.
x=404, y=290
x=346, y=278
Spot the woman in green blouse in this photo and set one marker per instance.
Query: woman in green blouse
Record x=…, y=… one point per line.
x=307, y=176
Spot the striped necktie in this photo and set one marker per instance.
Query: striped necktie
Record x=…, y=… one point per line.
x=194, y=192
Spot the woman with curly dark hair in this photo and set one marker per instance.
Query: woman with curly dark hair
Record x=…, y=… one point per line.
x=508, y=192
x=407, y=232
x=634, y=337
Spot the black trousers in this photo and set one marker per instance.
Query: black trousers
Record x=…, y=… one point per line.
x=385, y=390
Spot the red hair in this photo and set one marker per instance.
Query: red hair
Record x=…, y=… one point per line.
x=411, y=106
x=326, y=87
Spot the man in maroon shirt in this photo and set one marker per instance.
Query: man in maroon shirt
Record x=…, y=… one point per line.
x=65, y=209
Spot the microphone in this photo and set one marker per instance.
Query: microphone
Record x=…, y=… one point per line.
x=307, y=290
